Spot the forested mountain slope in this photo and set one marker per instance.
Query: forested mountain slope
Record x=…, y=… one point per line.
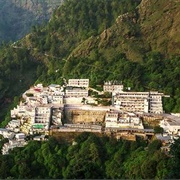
x=160, y=25
x=91, y=157
x=17, y=16
x=153, y=26
x=100, y=40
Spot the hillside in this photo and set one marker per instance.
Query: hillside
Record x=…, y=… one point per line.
x=101, y=40
x=89, y=157
x=154, y=26
x=159, y=23
x=17, y=16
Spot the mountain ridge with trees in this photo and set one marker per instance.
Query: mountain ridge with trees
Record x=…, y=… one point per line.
x=69, y=46
x=89, y=157
x=17, y=16
x=75, y=25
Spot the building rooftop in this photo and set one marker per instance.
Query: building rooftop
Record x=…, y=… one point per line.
x=172, y=120
x=163, y=138
x=54, y=85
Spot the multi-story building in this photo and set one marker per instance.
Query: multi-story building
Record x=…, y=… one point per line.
x=81, y=128
x=42, y=117
x=148, y=102
x=112, y=87
x=171, y=124
x=78, y=82
x=111, y=119
x=11, y=145
x=19, y=111
x=115, y=119
x=7, y=133
x=14, y=125
x=54, y=87
x=76, y=92
x=57, y=98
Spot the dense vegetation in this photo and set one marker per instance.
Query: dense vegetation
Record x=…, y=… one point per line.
x=17, y=73
x=151, y=75
x=17, y=16
x=44, y=55
x=90, y=157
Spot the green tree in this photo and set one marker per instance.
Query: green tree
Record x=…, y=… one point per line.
x=132, y=165
x=158, y=129
x=114, y=166
x=148, y=169
x=154, y=146
x=174, y=164
x=5, y=166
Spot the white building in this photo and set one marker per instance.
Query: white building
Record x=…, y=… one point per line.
x=20, y=136
x=35, y=113
x=42, y=117
x=171, y=124
x=56, y=98
x=78, y=82
x=148, y=102
x=111, y=119
x=11, y=145
x=176, y=114
x=76, y=92
x=13, y=124
x=19, y=111
x=39, y=138
x=54, y=87
x=7, y=133
x=112, y=87
x=126, y=120
x=44, y=99
x=81, y=128
x=38, y=87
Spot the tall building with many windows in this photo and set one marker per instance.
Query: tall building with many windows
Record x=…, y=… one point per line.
x=76, y=92
x=148, y=102
x=112, y=87
x=42, y=117
x=78, y=82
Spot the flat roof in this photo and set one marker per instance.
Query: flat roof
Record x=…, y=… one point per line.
x=131, y=129
x=54, y=85
x=3, y=129
x=163, y=138
x=172, y=120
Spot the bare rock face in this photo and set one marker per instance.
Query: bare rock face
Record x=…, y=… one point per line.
x=18, y=16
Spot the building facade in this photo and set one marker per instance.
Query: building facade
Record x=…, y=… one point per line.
x=42, y=117
x=76, y=92
x=112, y=87
x=148, y=102
x=171, y=124
x=122, y=120
x=78, y=82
